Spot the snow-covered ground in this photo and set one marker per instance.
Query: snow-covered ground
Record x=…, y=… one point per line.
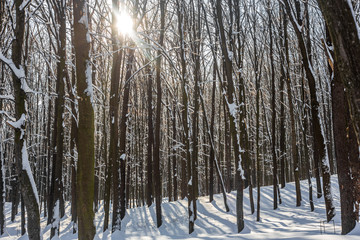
x=287, y=222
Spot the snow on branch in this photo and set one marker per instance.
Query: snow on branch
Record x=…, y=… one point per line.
x=7, y=97
x=24, y=4
x=84, y=18
x=26, y=167
x=7, y=115
x=354, y=17
x=19, y=73
x=18, y=124
x=25, y=86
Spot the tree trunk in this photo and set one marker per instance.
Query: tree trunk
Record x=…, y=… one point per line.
x=342, y=146
x=122, y=139
x=112, y=167
x=273, y=108
x=212, y=123
x=174, y=151
x=232, y=112
x=294, y=147
x=157, y=176
x=343, y=28
x=149, y=167
x=59, y=125
x=85, y=172
x=73, y=138
x=282, y=28
x=184, y=92
x=27, y=183
x=2, y=181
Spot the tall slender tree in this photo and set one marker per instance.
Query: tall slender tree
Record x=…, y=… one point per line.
x=86, y=150
x=27, y=183
x=232, y=112
x=112, y=167
x=157, y=177
x=58, y=155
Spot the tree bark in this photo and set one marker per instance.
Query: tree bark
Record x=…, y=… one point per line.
x=27, y=184
x=112, y=167
x=149, y=167
x=56, y=180
x=157, y=176
x=86, y=158
x=273, y=108
x=344, y=33
x=122, y=139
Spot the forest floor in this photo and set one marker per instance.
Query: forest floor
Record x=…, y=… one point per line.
x=287, y=222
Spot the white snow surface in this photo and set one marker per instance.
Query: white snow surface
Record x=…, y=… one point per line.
x=287, y=222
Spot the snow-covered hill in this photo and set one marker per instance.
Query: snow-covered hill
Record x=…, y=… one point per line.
x=287, y=222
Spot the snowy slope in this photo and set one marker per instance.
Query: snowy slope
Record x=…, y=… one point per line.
x=288, y=222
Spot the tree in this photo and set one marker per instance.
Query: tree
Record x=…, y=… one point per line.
x=85, y=171
x=2, y=183
x=156, y=156
x=149, y=167
x=2, y=167
x=273, y=106
x=122, y=139
x=294, y=147
x=56, y=180
x=343, y=30
x=112, y=163
x=231, y=110
x=344, y=33
x=27, y=183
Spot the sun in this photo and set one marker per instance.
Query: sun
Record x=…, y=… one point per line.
x=125, y=24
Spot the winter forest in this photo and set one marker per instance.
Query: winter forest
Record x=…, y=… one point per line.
x=179, y=119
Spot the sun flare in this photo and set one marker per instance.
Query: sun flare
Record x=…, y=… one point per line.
x=125, y=24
